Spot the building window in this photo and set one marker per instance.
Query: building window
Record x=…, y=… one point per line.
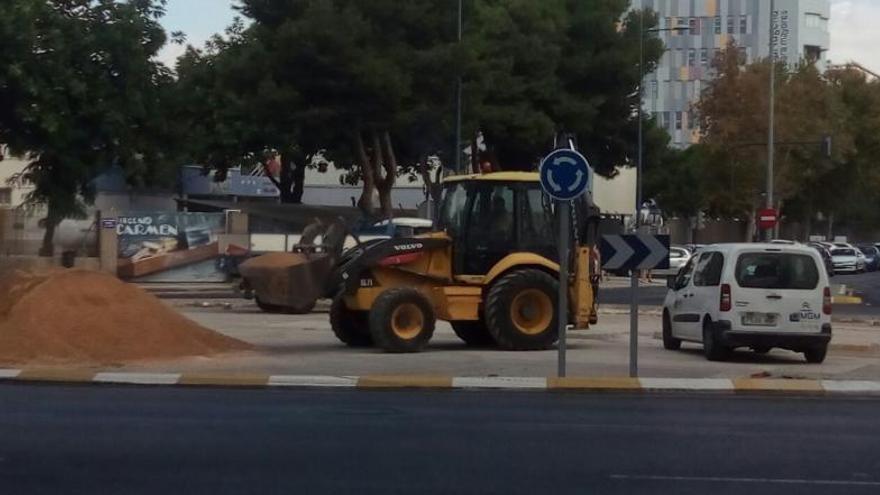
x=678, y=121
x=730, y=24
x=717, y=24
x=694, y=25
x=692, y=57
x=815, y=21
x=5, y=196
x=743, y=24
x=704, y=57
x=655, y=89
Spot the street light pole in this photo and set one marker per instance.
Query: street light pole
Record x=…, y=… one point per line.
x=634, y=276
x=768, y=233
x=458, y=105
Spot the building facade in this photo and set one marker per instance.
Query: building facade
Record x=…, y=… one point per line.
x=800, y=32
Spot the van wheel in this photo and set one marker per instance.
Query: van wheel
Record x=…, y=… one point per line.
x=816, y=354
x=402, y=320
x=713, y=349
x=669, y=342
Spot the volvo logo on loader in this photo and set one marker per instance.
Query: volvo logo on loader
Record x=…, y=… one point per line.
x=408, y=247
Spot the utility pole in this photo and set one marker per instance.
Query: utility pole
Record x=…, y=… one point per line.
x=768, y=233
x=458, y=169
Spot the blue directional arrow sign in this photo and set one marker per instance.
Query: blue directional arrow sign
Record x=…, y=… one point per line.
x=565, y=174
x=635, y=252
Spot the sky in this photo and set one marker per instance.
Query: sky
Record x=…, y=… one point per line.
x=854, y=33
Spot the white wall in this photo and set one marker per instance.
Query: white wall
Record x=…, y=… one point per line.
x=618, y=195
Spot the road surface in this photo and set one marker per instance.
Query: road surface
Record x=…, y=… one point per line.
x=107, y=440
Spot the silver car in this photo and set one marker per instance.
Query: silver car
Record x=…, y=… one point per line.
x=678, y=257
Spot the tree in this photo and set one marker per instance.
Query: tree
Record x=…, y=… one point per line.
x=734, y=127
x=81, y=91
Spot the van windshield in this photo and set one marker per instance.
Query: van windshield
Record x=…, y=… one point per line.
x=777, y=271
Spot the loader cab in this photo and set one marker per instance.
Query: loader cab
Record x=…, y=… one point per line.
x=491, y=216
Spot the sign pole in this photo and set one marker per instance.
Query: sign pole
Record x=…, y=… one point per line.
x=564, y=255
x=634, y=325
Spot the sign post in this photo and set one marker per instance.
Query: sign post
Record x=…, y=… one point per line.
x=632, y=253
x=565, y=175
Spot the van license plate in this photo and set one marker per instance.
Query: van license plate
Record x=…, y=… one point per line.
x=759, y=319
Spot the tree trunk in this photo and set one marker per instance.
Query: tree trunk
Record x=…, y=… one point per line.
x=52, y=221
x=389, y=166
x=808, y=223
x=286, y=177
x=365, y=203
x=830, y=237
x=299, y=178
x=752, y=228
x=475, y=155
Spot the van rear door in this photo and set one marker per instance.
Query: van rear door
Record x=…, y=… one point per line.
x=779, y=291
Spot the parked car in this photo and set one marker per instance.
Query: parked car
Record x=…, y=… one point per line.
x=759, y=296
x=872, y=257
x=694, y=248
x=678, y=257
x=827, y=259
x=847, y=260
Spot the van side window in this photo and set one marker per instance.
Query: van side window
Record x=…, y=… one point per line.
x=684, y=276
x=709, y=270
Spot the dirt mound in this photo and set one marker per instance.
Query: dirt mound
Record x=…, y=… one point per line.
x=76, y=316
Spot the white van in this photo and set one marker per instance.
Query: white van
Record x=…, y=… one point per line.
x=750, y=295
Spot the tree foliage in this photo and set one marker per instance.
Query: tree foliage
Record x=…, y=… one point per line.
x=81, y=91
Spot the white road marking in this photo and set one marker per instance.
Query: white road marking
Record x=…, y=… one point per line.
x=499, y=382
x=850, y=386
x=686, y=383
x=9, y=373
x=138, y=378
x=719, y=479
x=312, y=381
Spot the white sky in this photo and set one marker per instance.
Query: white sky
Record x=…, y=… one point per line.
x=855, y=34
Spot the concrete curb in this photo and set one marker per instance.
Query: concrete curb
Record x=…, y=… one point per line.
x=438, y=382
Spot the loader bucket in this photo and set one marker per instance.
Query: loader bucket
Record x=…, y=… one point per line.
x=287, y=282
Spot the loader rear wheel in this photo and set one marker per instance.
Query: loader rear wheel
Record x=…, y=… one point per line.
x=300, y=310
x=521, y=310
x=349, y=326
x=473, y=333
x=402, y=320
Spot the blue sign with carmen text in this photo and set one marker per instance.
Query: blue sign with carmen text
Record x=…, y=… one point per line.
x=565, y=174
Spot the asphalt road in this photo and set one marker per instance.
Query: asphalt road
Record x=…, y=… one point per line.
x=866, y=285
x=89, y=440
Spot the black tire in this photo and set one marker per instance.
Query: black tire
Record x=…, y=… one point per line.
x=473, y=333
x=268, y=308
x=402, y=320
x=816, y=355
x=351, y=327
x=761, y=350
x=669, y=342
x=713, y=349
x=301, y=310
x=500, y=310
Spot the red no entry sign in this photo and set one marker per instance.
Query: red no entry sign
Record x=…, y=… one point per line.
x=767, y=218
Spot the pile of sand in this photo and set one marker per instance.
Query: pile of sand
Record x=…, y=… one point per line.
x=76, y=316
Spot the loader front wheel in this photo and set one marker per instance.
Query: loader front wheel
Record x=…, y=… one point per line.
x=521, y=310
x=402, y=320
x=349, y=326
